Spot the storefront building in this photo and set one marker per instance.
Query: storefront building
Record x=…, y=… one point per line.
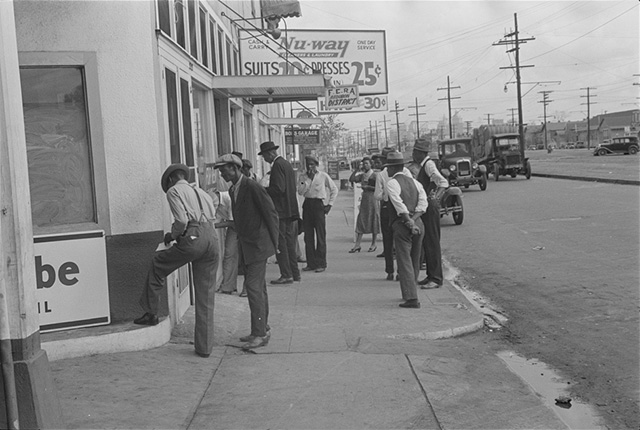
x=113, y=92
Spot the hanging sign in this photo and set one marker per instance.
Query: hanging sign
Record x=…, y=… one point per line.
x=342, y=97
x=347, y=57
x=365, y=104
x=302, y=136
x=71, y=280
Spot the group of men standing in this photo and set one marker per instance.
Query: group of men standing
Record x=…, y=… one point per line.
x=410, y=219
x=264, y=221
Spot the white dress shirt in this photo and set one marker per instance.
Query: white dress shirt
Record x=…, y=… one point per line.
x=393, y=191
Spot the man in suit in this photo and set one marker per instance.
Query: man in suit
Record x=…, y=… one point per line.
x=434, y=184
x=256, y=223
x=196, y=242
x=408, y=201
x=282, y=189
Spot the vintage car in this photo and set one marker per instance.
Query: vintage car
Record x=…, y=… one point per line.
x=458, y=166
x=618, y=145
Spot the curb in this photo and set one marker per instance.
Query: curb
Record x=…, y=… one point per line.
x=587, y=179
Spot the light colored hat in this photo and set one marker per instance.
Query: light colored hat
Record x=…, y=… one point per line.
x=227, y=159
x=395, y=158
x=164, y=182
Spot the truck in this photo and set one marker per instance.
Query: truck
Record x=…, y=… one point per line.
x=458, y=164
x=500, y=149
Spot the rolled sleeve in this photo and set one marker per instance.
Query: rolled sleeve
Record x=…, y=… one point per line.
x=393, y=191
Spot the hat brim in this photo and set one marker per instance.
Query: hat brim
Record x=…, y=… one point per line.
x=268, y=149
x=167, y=173
x=400, y=163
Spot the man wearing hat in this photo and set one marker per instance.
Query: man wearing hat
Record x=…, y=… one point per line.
x=435, y=184
x=256, y=223
x=319, y=192
x=385, y=226
x=282, y=189
x=408, y=201
x=196, y=242
x=246, y=169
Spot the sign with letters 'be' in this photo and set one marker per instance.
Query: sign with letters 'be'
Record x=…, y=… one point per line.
x=71, y=280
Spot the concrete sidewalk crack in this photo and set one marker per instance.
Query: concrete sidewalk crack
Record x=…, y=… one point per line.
x=424, y=392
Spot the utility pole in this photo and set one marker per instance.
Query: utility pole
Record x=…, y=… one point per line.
x=513, y=39
x=386, y=139
x=489, y=118
x=545, y=101
x=588, y=103
x=468, y=127
x=398, y=110
x=417, y=115
x=370, y=135
x=448, y=98
x=377, y=139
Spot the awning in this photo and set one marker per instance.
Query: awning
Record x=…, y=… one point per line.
x=293, y=121
x=271, y=89
x=280, y=8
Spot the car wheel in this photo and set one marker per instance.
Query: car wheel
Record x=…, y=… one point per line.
x=633, y=150
x=602, y=152
x=458, y=217
x=483, y=182
x=496, y=172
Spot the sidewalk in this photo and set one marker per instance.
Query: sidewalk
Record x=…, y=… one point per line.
x=342, y=355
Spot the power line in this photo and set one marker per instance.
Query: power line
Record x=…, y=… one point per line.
x=448, y=98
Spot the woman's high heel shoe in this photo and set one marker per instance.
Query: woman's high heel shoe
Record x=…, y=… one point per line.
x=372, y=248
x=355, y=249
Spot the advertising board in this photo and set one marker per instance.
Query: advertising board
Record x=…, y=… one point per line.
x=71, y=280
x=365, y=104
x=343, y=97
x=302, y=136
x=348, y=57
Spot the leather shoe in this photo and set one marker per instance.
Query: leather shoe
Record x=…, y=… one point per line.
x=202, y=354
x=249, y=338
x=380, y=255
x=414, y=303
x=147, y=319
x=308, y=269
x=243, y=293
x=425, y=281
x=282, y=280
x=320, y=269
x=389, y=276
x=297, y=279
x=256, y=342
x=430, y=286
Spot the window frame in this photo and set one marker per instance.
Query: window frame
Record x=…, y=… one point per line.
x=89, y=63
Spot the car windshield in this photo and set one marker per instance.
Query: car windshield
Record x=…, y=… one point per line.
x=508, y=144
x=456, y=149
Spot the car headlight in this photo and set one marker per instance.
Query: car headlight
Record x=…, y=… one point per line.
x=474, y=165
x=452, y=167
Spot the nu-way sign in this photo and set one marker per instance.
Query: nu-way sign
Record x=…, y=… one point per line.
x=349, y=57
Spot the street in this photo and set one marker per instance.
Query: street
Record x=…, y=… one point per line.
x=560, y=259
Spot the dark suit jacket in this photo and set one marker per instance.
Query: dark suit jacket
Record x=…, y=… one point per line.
x=256, y=222
x=282, y=189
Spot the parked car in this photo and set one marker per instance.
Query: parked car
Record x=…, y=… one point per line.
x=571, y=145
x=580, y=145
x=458, y=165
x=618, y=145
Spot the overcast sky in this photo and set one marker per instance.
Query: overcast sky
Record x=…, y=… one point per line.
x=579, y=43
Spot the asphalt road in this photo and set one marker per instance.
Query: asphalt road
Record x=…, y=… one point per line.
x=560, y=258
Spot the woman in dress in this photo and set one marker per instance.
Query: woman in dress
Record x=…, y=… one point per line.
x=369, y=216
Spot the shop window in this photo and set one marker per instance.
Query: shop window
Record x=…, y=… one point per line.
x=193, y=35
x=221, y=52
x=229, y=63
x=172, y=111
x=58, y=146
x=164, y=16
x=180, y=24
x=186, y=122
x=236, y=62
x=203, y=38
x=212, y=33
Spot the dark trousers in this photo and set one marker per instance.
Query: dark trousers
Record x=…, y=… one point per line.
x=387, y=236
x=314, y=225
x=431, y=242
x=287, y=257
x=256, y=287
x=199, y=246
x=408, y=249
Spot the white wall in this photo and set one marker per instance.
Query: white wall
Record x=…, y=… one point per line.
x=122, y=36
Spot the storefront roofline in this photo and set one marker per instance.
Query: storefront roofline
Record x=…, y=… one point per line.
x=293, y=121
x=272, y=89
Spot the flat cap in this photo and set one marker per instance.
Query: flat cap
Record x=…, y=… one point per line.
x=227, y=159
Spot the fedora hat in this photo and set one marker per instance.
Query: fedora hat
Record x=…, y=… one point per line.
x=312, y=158
x=421, y=145
x=227, y=159
x=385, y=151
x=164, y=182
x=395, y=158
x=267, y=146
